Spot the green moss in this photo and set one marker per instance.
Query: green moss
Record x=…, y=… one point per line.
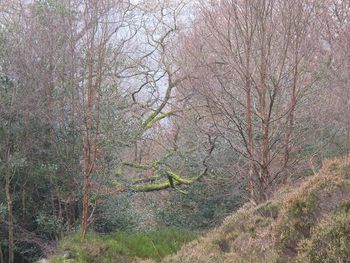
x=154, y=118
x=152, y=186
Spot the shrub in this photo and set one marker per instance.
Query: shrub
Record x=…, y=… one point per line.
x=329, y=242
x=204, y=206
x=115, y=214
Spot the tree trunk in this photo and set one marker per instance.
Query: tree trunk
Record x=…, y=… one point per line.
x=290, y=124
x=24, y=203
x=85, y=215
x=88, y=159
x=265, y=151
x=265, y=120
x=249, y=120
x=10, y=219
x=1, y=254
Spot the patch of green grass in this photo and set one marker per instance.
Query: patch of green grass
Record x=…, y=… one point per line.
x=123, y=246
x=155, y=244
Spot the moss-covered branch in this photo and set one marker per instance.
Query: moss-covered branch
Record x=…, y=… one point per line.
x=163, y=179
x=152, y=186
x=178, y=178
x=173, y=181
x=157, y=114
x=154, y=118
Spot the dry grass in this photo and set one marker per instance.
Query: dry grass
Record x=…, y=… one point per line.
x=284, y=229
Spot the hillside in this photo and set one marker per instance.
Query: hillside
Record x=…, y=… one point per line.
x=305, y=223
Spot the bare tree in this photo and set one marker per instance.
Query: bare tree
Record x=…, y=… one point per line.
x=336, y=46
x=250, y=59
x=159, y=73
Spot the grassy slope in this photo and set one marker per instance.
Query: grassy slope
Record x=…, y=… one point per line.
x=306, y=223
